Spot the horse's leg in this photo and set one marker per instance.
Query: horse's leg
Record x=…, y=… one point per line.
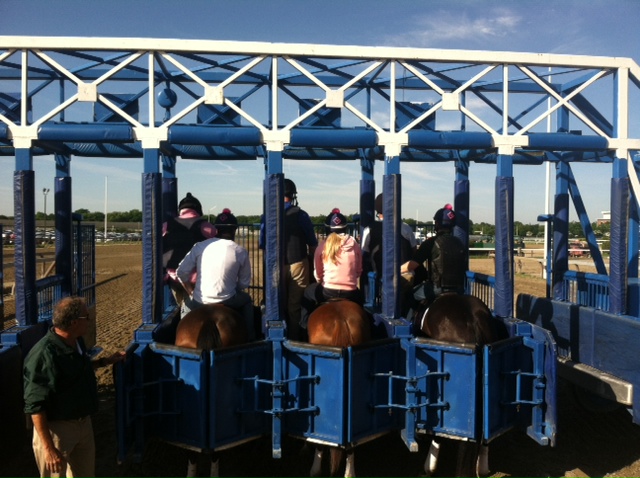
x=431, y=462
x=336, y=458
x=192, y=469
x=215, y=466
x=483, y=461
x=316, y=467
x=467, y=459
x=350, y=467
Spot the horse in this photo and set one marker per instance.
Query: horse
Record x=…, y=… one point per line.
x=210, y=327
x=338, y=323
x=456, y=318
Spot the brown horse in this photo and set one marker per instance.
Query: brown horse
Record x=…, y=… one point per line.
x=461, y=319
x=210, y=327
x=338, y=323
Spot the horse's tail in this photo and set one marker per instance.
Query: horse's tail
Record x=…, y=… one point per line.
x=342, y=336
x=209, y=337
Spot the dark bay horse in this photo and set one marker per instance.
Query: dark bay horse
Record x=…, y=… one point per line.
x=461, y=319
x=210, y=327
x=338, y=323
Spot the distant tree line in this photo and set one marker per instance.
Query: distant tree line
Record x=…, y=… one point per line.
x=483, y=228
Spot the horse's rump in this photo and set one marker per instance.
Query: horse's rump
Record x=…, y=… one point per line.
x=458, y=318
x=211, y=326
x=339, y=323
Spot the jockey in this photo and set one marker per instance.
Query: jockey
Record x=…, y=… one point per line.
x=446, y=261
x=338, y=265
x=179, y=234
x=223, y=272
x=372, y=248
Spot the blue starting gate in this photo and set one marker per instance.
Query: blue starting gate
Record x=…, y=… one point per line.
x=161, y=100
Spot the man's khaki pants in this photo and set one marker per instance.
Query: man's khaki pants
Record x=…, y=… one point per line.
x=74, y=438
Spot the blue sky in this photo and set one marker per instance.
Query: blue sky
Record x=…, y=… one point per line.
x=582, y=27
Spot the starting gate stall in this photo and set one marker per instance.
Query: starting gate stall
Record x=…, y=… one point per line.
x=161, y=100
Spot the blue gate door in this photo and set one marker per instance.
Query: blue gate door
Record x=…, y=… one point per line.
x=203, y=400
x=516, y=377
x=520, y=383
x=447, y=379
x=333, y=392
x=239, y=395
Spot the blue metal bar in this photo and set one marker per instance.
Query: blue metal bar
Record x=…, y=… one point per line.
x=586, y=224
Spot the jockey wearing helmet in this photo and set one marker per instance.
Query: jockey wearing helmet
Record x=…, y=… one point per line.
x=445, y=258
x=179, y=234
x=338, y=265
x=223, y=272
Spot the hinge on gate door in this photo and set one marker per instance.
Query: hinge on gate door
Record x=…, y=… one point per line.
x=280, y=395
x=533, y=385
x=411, y=388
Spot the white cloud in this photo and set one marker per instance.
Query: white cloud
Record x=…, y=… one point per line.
x=444, y=26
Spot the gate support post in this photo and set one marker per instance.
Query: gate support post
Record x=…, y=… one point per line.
x=151, y=239
x=25, y=247
x=503, y=305
x=276, y=336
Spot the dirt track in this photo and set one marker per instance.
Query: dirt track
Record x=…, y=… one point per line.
x=589, y=444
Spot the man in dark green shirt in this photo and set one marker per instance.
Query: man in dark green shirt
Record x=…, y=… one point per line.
x=60, y=393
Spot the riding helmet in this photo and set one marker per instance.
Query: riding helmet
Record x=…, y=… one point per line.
x=337, y=222
x=290, y=190
x=190, y=202
x=445, y=217
x=226, y=220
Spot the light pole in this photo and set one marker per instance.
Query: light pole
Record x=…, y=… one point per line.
x=211, y=209
x=45, y=191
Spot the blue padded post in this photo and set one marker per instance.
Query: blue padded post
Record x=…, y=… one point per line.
x=169, y=197
x=367, y=193
x=274, y=248
x=461, y=203
x=503, y=303
x=152, y=290
x=391, y=246
x=64, y=233
x=634, y=237
x=461, y=207
x=560, y=231
x=620, y=198
x=367, y=217
x=25, y=247
x=169, y=187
